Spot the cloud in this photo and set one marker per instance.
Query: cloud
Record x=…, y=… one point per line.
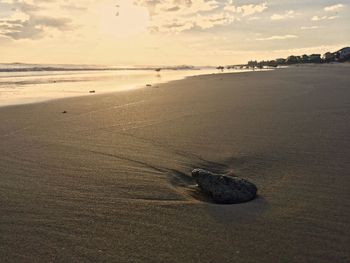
x=331, y=8
x=246, y=10
x=32, y=28
x=334, y=8
x=180, y=15
x=309, y=27
x=169, y=16
x=174, y=16
x=285, y=15
x=183, y=7
x=73, y=7
x=279, y=37
x=319, y=18
x=199, y=21
x=30, y=19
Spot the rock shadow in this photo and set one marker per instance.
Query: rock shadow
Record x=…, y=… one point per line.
x=239, y=213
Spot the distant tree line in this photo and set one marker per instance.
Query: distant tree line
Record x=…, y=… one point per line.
x=341, y=55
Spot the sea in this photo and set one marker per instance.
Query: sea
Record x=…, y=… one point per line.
x=30, y=83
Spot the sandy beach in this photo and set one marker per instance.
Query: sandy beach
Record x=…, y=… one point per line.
x=109, y=181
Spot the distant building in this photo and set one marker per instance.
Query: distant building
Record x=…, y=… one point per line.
x=280, y=61
x=292, y=60
x=252, y=63
x=305, y=58
x=272, y=63
x=315, y=58
x=343, y=54
x=329, y=57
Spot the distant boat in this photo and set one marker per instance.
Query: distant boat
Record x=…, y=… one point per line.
x=158, y=69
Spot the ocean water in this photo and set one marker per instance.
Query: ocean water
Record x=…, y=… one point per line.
x=24, y=83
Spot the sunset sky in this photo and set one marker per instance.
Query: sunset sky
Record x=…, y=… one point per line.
x=168, y=32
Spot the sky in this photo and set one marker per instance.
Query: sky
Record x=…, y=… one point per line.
x=169, y=32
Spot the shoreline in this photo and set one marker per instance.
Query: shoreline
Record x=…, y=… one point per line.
x=110, y=180
x=140, y=86
x=122, y=88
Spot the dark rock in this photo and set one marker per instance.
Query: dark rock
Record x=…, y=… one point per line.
x=224, y=189
x=64, y=112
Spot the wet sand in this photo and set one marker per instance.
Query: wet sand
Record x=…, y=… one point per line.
x=110, y=180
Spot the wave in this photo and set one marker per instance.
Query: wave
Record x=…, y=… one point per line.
x=20, y=67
